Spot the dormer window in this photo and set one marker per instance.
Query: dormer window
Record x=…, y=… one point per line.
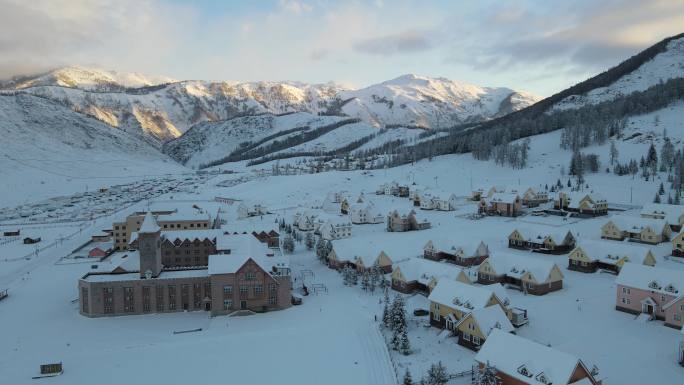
x=654, y=285
x=522, y=369
x=541, y=377
x=670, y=288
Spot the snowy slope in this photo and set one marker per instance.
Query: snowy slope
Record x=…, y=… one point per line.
x=166, y=111
x=50, y=150
x=662, y=67
x=210, y=141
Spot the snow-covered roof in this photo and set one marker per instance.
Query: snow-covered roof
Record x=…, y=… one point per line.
x=649, y=278
x=226, y=264
x=368, y=249
x=637, y=224
x=539, y=234
x=607, y=251
x=576, y=197
x=172, y=235
x=423, y=270
x=517, y=265
x=149, y=224
x=242, y=244
x=460, y=296
x=490, y=318
x=470, y=249
x=509, y=354
x=504, y=197
x=170, y=274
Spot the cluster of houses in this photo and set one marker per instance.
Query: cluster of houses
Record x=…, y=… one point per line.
x=328, y=227
x=246, y=211
x=585, y=204
x=507, y=200
x=406, y=222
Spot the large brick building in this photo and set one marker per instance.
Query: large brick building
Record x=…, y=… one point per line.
x=242, y=275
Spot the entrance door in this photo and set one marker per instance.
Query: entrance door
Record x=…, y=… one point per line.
x=207, y=306
x=243, y=305
x=649, y=309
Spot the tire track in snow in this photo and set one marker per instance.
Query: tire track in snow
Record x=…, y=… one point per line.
x=380, y=368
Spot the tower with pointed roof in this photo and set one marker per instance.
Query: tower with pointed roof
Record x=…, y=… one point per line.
x=149, y=247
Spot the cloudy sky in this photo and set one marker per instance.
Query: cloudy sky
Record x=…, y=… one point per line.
x=536, y=46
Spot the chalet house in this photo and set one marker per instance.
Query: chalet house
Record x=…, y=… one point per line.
x=343, y=255
x=304, y=221
x=673, y=214
x=591, y=204
x=678, y=245
x=421, y=275
x=475, y=327
x=365, y=214
x=656, y=292
x=11, y=233
x=546, y=242
x=485, y=192
x=410, y=222
x=391, y=188
x=635, y=229
x=591, y=256
x=518, y=361
x=529, y=196
x=524, y=273
x=245, y=211
x=30, y=240
x=451, y=300
x=436, y=200
x=336, y=229
x=470, y=255
x=504, y=204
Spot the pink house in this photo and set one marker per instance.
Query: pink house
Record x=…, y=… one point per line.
x=650, y=290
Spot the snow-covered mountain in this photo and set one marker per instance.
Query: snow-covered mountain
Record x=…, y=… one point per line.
x=92, y=79
x=50, y=148
x=161, y=110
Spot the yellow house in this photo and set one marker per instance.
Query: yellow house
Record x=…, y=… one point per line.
x=544, y=242
x=678, y=245
x=381, y=261
x=645, y=230
x=419, y=274
x=344, y=206
x=474, y=328
x=450, y=301
x=531, y=275
x=593, y=255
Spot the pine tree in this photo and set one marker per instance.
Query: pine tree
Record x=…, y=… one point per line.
x=404, y=345
x=407, y=378
x=386, y=311
x=288, y=244
x=310, y=241
x=657, y=198
x=661, y=190
x=613, y=153
x=365, y=281
x=437, y=375
x=486, y=375
x=676, y=199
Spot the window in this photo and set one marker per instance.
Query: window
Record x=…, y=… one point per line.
x=258, y=290
x=228, y=290
x=244, y=289
x=159, y=291
x=524, y=371
x=227, y=304
x=250, y=276
x=272, y=287
x=129, y=303
x=677, y=317
x=466, y=336
x=435, y=314
x=146, y=299
x=172, y=297
x=476, y=340
x=272, y=300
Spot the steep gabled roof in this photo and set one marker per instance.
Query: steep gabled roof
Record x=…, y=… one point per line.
x=515, y=355
x=149, y=224
x=664, y=281
x=460, y=296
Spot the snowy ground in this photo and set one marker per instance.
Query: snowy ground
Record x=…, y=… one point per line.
x=333, y=338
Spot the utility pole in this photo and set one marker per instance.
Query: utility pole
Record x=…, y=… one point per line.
x=630, y=194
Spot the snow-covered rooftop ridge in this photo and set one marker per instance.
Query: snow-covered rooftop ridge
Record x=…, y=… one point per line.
x=422, y=270
x=227, y=264
x=504, y=197
x=541, y=232
x=601, y=249
x=649, y=278
x=460, y=296
x=626, y=222
x=149, y=224
x=490, y=318
x=517, y=265
x=515, y=355
x=671, y=213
